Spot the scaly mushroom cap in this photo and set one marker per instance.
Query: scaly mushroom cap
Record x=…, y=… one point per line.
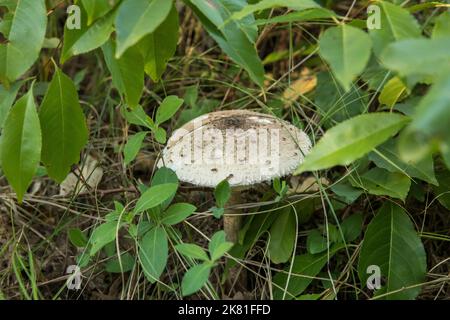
x=244, y=146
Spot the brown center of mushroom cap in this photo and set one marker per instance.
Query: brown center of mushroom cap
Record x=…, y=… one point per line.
x=244, y=146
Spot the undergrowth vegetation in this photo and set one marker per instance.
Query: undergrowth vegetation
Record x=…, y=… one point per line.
x=91, y=91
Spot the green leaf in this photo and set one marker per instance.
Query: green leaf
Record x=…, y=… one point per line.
x=7, y=97
x=217, y=212
x=127, y=72
x=304, y=268
x=442, y=26
x=137, y=18
x=77, y=238
x=87, y=38
x=299, y=16
x=195, y=278
x=236, y=39
x=347, y=50
x=352, y=227
x=96, y=9
x=392, y=243
x=192, y=251
x=126, y=260
x=133, y=146
x=387, y=157
x=430, y=58
x=442, y=191
x=153, y=253
x=21, y=144
x=346, y=192
x=168, y=108
x=25, y=39
x=177, y=213
x=160, y=45
x=218, y=246
x=316, y=242
x=102, y=235
x=268, y=4
x=138, y=117
x=396, y=24
x=64, y=130
x=352, y=139
x=393, y=91
x=381, y=182
x=160, y=135
x=222, y=193
x=282, y=236
x=154, y=196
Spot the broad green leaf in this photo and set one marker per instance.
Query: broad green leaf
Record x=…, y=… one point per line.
x=21, y=144
x=133, y=146
x=96, y=9
x=164, y=175
x=393, y=91
x=299, y=16
x=102, y=235
x=316, y=242
x=381, y=182
x=346, y=191
x=155, y=195
x=7, y=97
x=88, y=38
x=304, y=268
x=177, y=213
x=442, y=26
x=352, y=139
x=192, y=251
x=218, y=245
x=268, y=4
x=168, y=108
x=77, y=238
x=442, y=191
x=195, y=278
x=137, y=18
x=160, y=45
x=392, y=243
x=160, y=135
x=430, y=58
x=237, y=39
x=222, y=193
x=138, y=117
x=153, y=253
x=127, y=72
x=347, y=50
x=396, y=24
x=126, y=264
x=64, y=130
x=387, y=157
x=352, y=227
x=26, y=34
x=282, y=236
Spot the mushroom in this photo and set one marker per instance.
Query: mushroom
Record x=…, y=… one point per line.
x=241, y=146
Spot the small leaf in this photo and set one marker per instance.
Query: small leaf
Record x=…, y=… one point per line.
x=217, y=212
x=222, y=193
x=147, y=16
x=126, y=260
x=134, y=144
x=155, y=195
x=177, y=213
x=192, y=251
x=442, y=191
x=161, y=135
x=352, y=227
x=127, y=72
x=21, y=144
x=218, y=246
x=316, y=243
x=64, y=130
x=442, y=26
x=153, y=253
x=195, y=278
x=168, y=108
x=282, y=236
x=138, y=117
x=352, y=139
x=347, y=50
x=7, y=97
x=393, y=91
x=77, y=238
x=102, y=235
x=160, y=45
x=96, y=9
x=381, y=182
x=392, y=244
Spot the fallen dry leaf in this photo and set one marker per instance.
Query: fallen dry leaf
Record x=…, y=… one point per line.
x=305, y=84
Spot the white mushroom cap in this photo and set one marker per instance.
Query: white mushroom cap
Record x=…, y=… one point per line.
x=244, y=146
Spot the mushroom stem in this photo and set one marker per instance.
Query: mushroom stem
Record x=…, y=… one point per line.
x=232, y=219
